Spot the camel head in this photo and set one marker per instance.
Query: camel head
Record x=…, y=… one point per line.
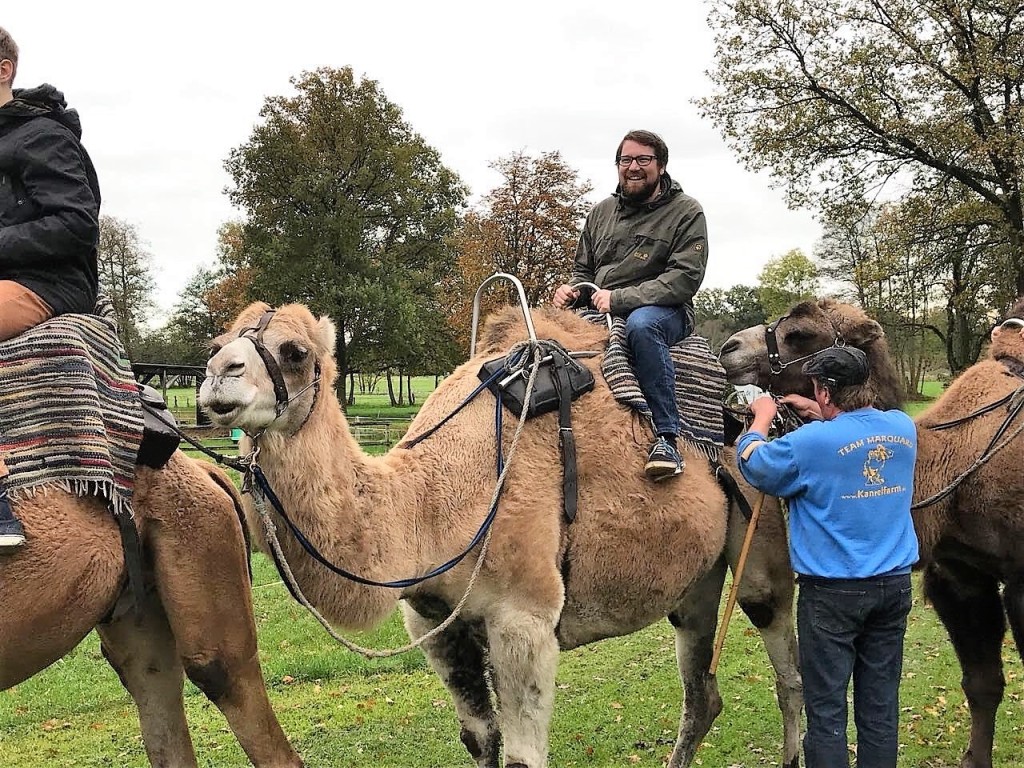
x=1008, y=338
x=809, y=327
x=297, y=350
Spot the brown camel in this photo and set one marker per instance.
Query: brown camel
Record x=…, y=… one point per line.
x=196, y=617
x=637, y=551
x=972, y=541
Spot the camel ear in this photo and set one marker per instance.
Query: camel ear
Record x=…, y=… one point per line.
x=864, y=333
x=326, y=335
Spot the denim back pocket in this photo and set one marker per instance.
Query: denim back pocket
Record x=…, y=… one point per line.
x=837, y=609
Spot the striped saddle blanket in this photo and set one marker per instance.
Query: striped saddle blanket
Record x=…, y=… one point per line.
x=70, y=415
x=700, y=384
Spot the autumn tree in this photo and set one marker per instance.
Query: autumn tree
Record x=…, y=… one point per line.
x=839, y=99
x=347, y=208
x=126, y=278
x=527, y=226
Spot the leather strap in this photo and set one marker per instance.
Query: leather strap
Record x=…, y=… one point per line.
x=566, y=438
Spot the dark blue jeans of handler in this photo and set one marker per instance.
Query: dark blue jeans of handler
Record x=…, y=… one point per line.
x=852, y=628
x=650, y=332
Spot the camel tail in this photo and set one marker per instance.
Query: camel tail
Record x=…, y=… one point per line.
x=221, y=478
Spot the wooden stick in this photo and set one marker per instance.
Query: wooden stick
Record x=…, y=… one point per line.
x=736, y=578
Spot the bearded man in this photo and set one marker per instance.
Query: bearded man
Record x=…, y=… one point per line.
x=645, y=247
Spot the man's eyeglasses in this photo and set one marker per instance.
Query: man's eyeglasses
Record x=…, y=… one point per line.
x=642, y=160
x=1012, y=322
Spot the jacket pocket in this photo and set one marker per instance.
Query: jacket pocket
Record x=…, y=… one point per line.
x=11, y=202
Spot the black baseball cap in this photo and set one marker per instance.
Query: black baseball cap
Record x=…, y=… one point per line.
x=839, y=366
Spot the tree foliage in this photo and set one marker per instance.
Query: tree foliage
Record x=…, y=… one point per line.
x=721, y=312
x=527, y=226
x=786, y=280
x=841, y=98
x=349, y=211
x=126, y=278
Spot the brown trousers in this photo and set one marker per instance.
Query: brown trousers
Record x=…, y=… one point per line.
x=20, y=309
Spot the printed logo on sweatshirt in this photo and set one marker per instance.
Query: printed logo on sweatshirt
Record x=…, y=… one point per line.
x=876, y=451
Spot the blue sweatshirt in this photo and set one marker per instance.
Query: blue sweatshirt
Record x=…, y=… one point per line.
x=848, y=483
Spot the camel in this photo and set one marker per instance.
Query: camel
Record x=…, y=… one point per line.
x=637, y=551
x=196, y=616
x=971, y=542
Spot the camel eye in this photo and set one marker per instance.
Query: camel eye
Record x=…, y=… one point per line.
x=799, y=338
x=292, y=353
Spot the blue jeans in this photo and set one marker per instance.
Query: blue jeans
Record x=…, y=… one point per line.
x=852, y=627
x=650, y=331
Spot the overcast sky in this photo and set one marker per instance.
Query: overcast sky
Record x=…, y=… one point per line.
x=165, y=90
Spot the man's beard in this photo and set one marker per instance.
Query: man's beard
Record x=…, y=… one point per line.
x=642, y=194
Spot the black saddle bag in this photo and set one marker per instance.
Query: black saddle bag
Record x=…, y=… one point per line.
x=545, y=396
x=159, y=440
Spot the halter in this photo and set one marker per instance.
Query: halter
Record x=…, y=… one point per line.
x=775, y=364
x=255, y=335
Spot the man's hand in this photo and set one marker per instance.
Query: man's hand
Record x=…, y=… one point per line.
x=564, y=296
x=602, y=300
x=764, y=410
x=805, y=408
x=764, y=407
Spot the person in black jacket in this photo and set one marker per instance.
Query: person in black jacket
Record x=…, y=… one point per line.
x=49, y=219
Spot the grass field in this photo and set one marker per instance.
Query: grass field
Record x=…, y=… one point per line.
x=617, y=703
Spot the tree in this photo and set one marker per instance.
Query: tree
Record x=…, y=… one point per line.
x=347, y=208
x=721, y=312
x=126, y=277
x=842, y=98
x=527, y=226
x=785, y=280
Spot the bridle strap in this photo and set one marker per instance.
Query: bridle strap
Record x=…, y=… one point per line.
x=775, y=364
x=255, y=335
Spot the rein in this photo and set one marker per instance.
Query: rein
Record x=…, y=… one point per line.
x=996, y=444
x=483, y=534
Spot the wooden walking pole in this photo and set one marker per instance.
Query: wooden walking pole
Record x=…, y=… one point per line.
x=736, y=578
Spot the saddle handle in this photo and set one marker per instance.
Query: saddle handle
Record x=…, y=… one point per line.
x=596, y=287
x=522, y=302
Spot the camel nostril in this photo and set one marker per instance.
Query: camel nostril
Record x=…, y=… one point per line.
x=729, y=347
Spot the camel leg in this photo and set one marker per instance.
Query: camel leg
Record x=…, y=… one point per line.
x=766, y=597
x=458, y=657
x=695, y=621
x=1013, y=600
x=201, y=574
x=779, y=638
x=524, y=656
x=968, y=604
x=143, y=654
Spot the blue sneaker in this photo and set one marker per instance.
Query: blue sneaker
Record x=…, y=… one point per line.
x=663, y=461
x=12, y=535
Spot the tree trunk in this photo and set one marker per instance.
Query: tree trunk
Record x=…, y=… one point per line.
x=391, y=389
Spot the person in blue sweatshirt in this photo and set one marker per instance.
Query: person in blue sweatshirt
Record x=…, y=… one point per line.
x=848, y=478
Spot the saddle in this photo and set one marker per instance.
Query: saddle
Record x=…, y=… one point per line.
x=560, y=379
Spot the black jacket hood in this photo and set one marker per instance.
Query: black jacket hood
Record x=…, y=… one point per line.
x=42, y=101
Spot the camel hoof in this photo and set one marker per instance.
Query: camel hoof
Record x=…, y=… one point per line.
x=968, y=761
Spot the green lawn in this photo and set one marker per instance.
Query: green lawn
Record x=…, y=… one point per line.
x=617, y=703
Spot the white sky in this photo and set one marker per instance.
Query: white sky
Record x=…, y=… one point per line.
x=165, y=90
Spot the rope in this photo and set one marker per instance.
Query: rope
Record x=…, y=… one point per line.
x=372, y=653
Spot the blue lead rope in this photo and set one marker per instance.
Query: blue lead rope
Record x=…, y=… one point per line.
x=312, y=551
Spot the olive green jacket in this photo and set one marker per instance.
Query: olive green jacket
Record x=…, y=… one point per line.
x=654, y=253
